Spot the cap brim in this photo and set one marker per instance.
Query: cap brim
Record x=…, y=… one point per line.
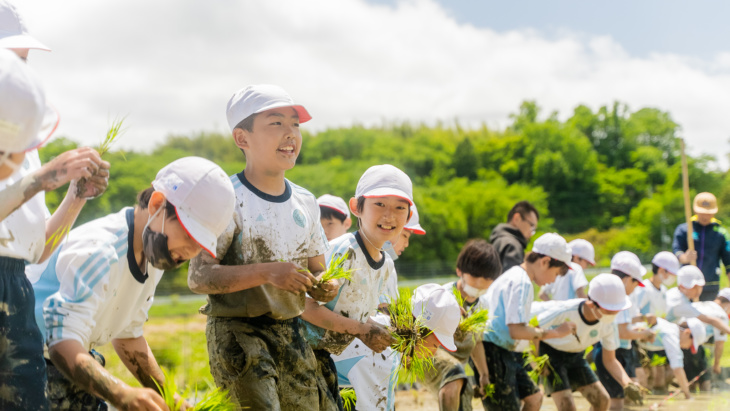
x=617, y=307
x=205, y=239
x=416, y=230
x=346, y=214
x=700, y=210
x=446, y=341
x=22, y=41
x=387, y=192
x=302, y=112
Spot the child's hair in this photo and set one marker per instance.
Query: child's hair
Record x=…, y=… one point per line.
x=532, y=257
x=247, y=123
x=620, y=274
x=478, y=258
x=722, y=299
x=143, y=200
x=522, y=208
x=654, y=268
x=328, y=213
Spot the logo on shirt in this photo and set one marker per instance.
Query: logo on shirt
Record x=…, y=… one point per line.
x=594, y=333
x=299, y=217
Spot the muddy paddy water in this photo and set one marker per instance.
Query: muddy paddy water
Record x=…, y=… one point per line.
x=424, y=401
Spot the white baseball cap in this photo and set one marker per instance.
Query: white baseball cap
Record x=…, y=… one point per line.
x=667, y=261
x=335, y=203
x=22, y=105
x=203, y=197
x=724, y=293
x=608, y=291
x=689, y=276
x=553, y=245
x=385, y=180
x=13, y=32
x=583, y=249
x=629, y=264
x=259, y=98
x=413, y=224
x=698, y=330
x=438, y=310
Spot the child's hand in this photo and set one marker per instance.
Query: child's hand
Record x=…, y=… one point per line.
x=565, y=328
x=290, y=277
x=71, y=165
x=324, y=292
x=483, y=384
x=648, y=336
x=94, y=186
x=376, y=337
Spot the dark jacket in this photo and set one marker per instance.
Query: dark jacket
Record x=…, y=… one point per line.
x=712, y=243
x=510, y=244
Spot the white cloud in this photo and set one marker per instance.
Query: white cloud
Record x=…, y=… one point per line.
x=171, y=65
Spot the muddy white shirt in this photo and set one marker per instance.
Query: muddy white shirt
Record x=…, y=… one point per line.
x=359, y=297
x=565, y=287
x=555, y=313
x=509, y=299
x=23, y=232
x=667, y=339
x=651, y=300
x=712, y=309
x=92, y=290
x=266, y=229
x=678, y=306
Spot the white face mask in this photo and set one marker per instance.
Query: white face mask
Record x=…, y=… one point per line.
x=669, y=280
x=472, y=292
x=607, y=318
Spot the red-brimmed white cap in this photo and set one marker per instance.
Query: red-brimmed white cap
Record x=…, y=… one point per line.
x=724, y=293
x=22, y=105
x=259, y=98
x=608, y=291
x=699, y=333
x=413, y=224
x=383, y=181
x=583, y=249
x=335, y=203
x=629, y=264
x=437, y=309
x=13, y=32
x=553, y=245
x=689, y=276
x=667, y=261
x=203, y=197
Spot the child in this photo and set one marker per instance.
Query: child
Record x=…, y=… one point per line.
x=573, y=284
x=334, y=216
x=651, y=298
x=99, y=286
x=257, y=283
x=437, y=310
x=593, y=318
x=509, y=299
x=382, y=203
x=715, y=309
x=395, y=247
x=477, y=267
x=627, y=267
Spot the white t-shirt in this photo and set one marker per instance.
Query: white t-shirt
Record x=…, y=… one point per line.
x=509, y=299
x=357, y=298
x=266, y=229
x=23, y=232
x=92, y=290
x=667, y=339
x=565, y=287
x=555, y=313
x=651, y=300
x=712, y=309
x=626, y=317
x=678, y=306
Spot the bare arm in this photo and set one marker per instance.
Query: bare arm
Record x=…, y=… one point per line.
x=719, y=348
x=715, y=322
x=625, y=333
x=581, y=293
x=70, y=357
x=681, y=378
x=480, y=361
x=526, y=332
x=614, y=367
x=543, y=295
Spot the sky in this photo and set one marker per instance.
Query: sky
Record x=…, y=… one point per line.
x=170, y=66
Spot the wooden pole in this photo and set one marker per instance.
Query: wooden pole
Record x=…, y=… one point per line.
x=687, y=209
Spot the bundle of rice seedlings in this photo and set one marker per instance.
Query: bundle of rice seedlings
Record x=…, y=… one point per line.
x=489, y=391
x=216, y=399
x=336, y=271
x=348, y=398
x=409, y=335
x=658, y=361
x=475, y=321
x=538, y=364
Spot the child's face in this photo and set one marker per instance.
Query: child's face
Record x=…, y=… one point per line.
x=401, y=242
x=691, y=293
x=685, y=339
x=381, y=217
x=275, y=141
x=181, y=246
x=334, y=228
x=630, y=284
x=429, y=346
x=581, y=262
x=544, y=274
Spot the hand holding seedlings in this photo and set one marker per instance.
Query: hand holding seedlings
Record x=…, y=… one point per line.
x=566, y=328
x=328, y=282
x=75, y=164
x=324, y=291
x=375, y=336
x=95, y=185
x=290, y=277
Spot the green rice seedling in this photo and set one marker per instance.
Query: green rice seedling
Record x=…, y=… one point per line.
x=215, y=399
x=489, y=391
x=348, y=398
x=475, y=321
x=658, y=361
x=335, y=269
x=409, y=335
x=539, y=363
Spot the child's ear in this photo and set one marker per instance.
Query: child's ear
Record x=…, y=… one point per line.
x=240, y=137
x=353, y=207
x=348, y=223
x=458, y=272
x=157, y=200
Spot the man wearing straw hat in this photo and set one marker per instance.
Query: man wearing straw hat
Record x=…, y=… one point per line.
x=711, y=243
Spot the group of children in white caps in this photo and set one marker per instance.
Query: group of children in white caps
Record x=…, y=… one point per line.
x=281, y=338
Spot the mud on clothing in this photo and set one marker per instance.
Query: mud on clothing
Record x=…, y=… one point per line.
x=22, y=367
x=446, y=369
x=511, y=382
x=326, y=368
x=266, y=364
x=67, y=396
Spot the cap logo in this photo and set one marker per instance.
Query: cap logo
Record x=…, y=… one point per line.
x=172, y=182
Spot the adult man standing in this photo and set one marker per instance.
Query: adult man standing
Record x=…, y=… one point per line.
x=510, y=239
x=711, y=240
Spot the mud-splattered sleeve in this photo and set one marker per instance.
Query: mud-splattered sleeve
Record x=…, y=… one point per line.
x=318, y=244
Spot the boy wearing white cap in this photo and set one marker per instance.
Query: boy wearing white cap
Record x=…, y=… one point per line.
x=334, y=216
x=267, y=259
x=437, y=310
x=650, y=299
x=594, y=320
x=23, y=225
x=573, y=284
x=99, y=286
x=382, y=203
x=509, y=299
